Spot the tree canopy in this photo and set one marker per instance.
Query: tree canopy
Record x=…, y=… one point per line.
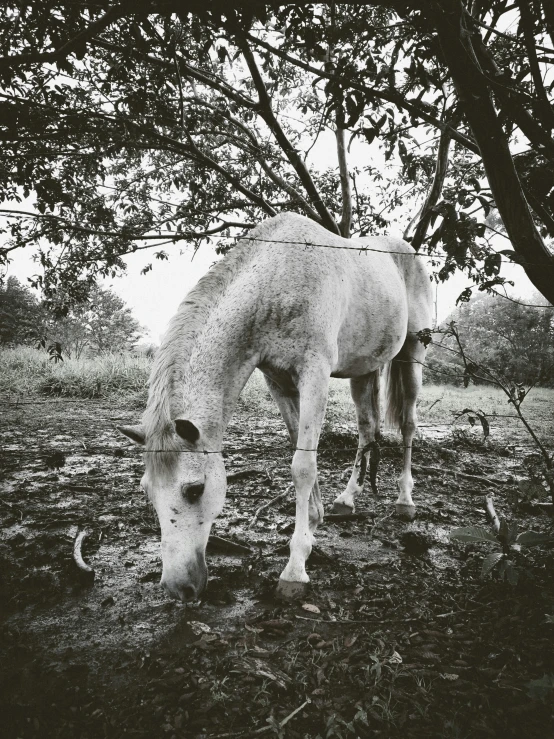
x=515, y=341
x=100, y=323
x=21, y=317
x=141, y=125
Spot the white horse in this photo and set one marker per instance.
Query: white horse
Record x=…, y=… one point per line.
x=300, y=313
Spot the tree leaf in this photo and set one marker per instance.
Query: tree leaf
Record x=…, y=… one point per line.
x=511, y=573
x=472, y=534
x=533, y=538
x=490, y=561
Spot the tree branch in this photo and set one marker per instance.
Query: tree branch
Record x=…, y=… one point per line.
x=258, y=153
x=411, y=106
x=449, y=18
x=113, y=14
x=346, y=191
x=434, y=194
x=527, y=27
x=265, y=110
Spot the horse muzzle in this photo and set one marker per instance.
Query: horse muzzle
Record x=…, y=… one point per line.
x=187, y=583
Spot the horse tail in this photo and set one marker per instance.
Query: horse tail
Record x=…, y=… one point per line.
x=394, y=394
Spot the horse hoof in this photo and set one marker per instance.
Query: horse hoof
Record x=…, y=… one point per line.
x=342, y=508
x=407, y=512
x=291, y=590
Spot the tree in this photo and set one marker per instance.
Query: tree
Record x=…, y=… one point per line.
x=516, y=341
x=20, y=314
x=163, y=121
x=100, y=324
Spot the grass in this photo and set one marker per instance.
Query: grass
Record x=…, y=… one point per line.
x=437, y=405
x=25, y=371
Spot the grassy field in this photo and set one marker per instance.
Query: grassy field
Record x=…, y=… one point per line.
x=27, y=372
x=438, y=405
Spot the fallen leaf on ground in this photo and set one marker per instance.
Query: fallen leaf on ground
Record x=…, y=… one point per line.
x=311, y=608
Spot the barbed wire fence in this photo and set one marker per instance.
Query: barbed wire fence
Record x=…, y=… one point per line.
x=512, y=390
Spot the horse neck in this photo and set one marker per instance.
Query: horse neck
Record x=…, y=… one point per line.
x=219, y=368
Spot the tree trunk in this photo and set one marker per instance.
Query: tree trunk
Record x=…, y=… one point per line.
x=423, y=218
x=448, y=17
x=345, y=224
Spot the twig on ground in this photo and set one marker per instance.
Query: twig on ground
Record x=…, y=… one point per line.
x=262, y=729
x=491, y=513
x=227, y=546
x=378, y=522
x=455, y=473
x=347, y=516
x=360, y=621
x=267, y=505
x=86, y=572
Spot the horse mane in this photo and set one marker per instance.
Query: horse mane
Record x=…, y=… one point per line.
x=171, y=361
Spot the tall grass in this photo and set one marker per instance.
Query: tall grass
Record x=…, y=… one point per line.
x=26, y=371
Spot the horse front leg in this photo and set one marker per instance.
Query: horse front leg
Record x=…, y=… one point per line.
x=288, y=403
x=313, y=389
x=365, y=394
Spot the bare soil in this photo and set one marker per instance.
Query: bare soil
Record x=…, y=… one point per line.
x=398, y=635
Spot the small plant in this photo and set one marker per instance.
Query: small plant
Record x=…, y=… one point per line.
x=54, y=350
x=503, y=535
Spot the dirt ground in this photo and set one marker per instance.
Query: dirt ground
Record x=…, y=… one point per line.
x=398, y=635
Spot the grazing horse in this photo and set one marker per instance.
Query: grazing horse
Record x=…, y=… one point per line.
x=300, y=313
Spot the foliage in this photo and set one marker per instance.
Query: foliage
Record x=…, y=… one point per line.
x=26, y=371
x=130, y=126
x=20, y=314
x=516, y=393
x=509, y=338
x=102, y=323
x=510, y=542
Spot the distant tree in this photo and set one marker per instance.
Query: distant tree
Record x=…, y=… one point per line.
x=20, y=314
x=102, y=323
x=514, y=340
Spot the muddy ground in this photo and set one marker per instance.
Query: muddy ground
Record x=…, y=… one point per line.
x=398, y=635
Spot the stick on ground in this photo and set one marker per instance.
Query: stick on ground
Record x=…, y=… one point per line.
x=491, y=513
x=86, y=572
x=267, y=505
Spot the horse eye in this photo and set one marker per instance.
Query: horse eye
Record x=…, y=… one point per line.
x=193, y=492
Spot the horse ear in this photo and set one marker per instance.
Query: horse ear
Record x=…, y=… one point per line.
x=135, y=433
x=187, y=430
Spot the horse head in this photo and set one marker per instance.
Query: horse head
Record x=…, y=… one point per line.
x=186, y=484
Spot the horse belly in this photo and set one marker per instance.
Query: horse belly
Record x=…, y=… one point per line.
x=371, y=334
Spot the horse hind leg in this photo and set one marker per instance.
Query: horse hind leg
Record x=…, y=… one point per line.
x=365, y=394
x=405, y=382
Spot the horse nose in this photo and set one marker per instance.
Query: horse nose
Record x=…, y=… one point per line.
x=185, y=592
